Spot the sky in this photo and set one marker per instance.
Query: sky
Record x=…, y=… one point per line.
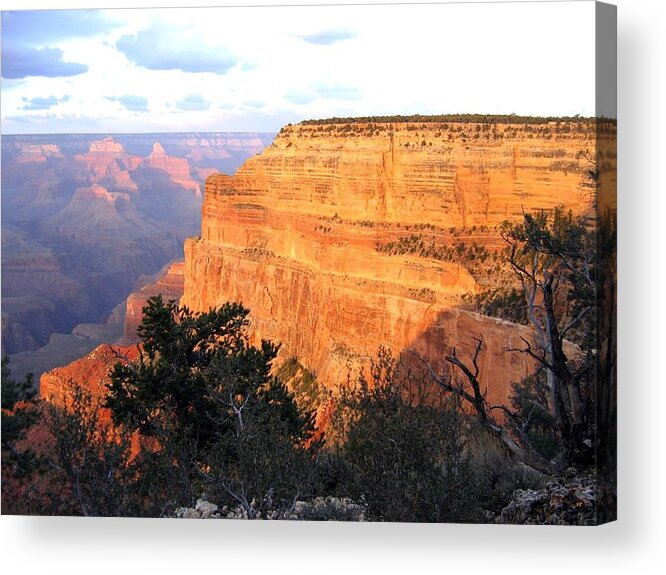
x=256, y=69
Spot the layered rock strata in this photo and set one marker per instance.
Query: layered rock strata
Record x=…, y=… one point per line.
x=177, y=168
x=298, y=235
x=91, y=373
x=104, y=210
x=120, y=329
x=169, y=285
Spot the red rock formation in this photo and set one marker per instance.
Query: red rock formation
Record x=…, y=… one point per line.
x=101, y=215
x=107, y=162
x=177, y=168
x=90, y=372
x=169, y=285
x=294, y=236
x=37, y=153
x=94, y=192
x=104, y=217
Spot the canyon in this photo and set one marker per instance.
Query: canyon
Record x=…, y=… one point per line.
x=60, y=356
x=344, y=237
x=85, y=216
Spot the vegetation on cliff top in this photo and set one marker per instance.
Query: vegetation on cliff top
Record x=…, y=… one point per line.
x=454, y=118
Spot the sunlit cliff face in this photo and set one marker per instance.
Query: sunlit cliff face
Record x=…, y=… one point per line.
x=341, y=238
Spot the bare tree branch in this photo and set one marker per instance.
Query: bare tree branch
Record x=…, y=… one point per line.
x=529, y=351
x=574, y=321
x=440, y=381
x=479, y=401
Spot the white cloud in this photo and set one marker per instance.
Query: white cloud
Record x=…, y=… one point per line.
x=193, y=102
x=22, y=62
x=131, y=102
x=167, y=46
x=329, y=36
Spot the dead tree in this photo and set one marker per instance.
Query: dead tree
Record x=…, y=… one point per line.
x=549, y=258
x=476, y=399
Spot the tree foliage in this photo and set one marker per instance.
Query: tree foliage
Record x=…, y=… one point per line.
x=403, y=454
x=18, y=415
x=533, y=419
x=455, y=118
x=217, y=419
x=90, y=461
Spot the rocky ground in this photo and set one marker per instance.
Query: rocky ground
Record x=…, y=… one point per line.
x=566, y=500
x=319, y=509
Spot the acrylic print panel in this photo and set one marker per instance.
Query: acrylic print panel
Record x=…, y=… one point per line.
x=351, y=263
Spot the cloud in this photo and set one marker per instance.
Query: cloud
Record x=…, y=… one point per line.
x=21, y=62
x=42, y=103
x=131, y=102
x=48, y=123
x=254, y=103
x=43, y=27
x=300, y=97
x=332, y=90
x=193, y=102
x=166, y=47
x=248, y=66
x=328, y=37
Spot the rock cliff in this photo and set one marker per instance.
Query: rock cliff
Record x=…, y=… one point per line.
x=177, y=168
x=169, y=285
x=91, y=372
x=341, y=237
x=38, y=153
x=107, y=162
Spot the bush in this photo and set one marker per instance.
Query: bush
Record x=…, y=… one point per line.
x=508, y=304
x=402, y=457
x=18, y=415
x=530, y=401
x=90, y=458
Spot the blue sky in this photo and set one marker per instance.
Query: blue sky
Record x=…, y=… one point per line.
x=255, y=69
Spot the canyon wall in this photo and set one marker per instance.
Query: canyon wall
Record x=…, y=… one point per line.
x=169, y=285
x=339, y=237
x=91, y=373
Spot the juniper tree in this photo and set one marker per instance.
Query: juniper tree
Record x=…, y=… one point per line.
x=214, y=416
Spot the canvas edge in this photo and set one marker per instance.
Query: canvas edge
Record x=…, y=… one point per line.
x=606, y=246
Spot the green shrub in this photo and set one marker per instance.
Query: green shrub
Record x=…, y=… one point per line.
x=400, y=454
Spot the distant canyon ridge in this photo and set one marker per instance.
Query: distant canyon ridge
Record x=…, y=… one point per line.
x=87, y=218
